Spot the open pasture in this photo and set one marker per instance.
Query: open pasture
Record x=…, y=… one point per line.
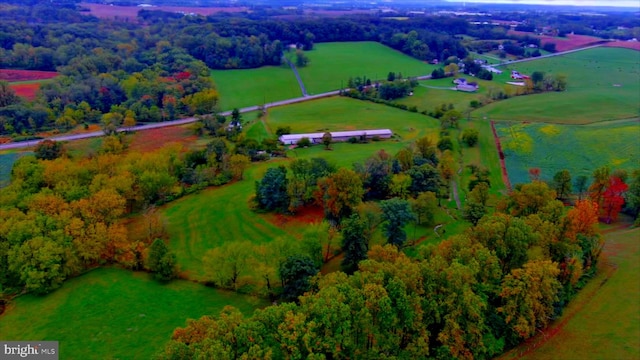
x=344, y=114
x=248, y=87
x=603, y=84
x=603, y=321
x=332, y=64
x=13, y=75
x=214, y=216
x=579, y=149
x=27, y=91
x=427, y=97
x=112, y=313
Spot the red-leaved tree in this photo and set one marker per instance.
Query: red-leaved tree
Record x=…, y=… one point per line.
x=613, y=198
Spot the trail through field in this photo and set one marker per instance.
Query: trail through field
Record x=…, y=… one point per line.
x=454, y=188
x=295, y=72
x=503, y=166
x=548, y=55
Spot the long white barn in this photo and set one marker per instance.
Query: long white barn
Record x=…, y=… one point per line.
x=316, y=138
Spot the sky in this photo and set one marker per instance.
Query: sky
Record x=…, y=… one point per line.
x=577, y=3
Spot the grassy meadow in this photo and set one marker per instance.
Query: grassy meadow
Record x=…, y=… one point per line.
x=344, y=114
x=579, y=149
x=603, y=321
x=249, y=87
x=332, y=64
x=603, y=84
x=111, y=313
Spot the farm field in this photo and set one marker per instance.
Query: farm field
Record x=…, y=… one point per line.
x=26, y=82
x=112, y=313
x=343, y=114
x=603, y=84
x=332, y=64
x=248, y=87
x=579, y=149
x=214, y=216
x=603, y=321
x=154, y=139
x=26, y=91
x=570, y=42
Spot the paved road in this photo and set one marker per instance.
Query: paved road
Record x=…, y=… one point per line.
x=30, y=143
x=295, y=72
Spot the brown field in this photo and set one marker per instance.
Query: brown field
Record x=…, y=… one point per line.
x=635, y=45
x=151, y=140
x=562, y=44
x=131, y=12
x=27, y=91
x=12, y=75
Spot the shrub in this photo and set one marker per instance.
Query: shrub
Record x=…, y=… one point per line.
x=470, y=137
x=304, y=142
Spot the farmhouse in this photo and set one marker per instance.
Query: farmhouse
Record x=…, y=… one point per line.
x=316, y=138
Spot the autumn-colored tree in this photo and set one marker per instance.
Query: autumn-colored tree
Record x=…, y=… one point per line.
x=530, y=198
x=237, y=164
x=613, y=198
x=529, y=295
x=583, y=218
x=49, y=150
x=340, y=193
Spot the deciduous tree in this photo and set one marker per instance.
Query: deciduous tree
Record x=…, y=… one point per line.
x=354, y=243
x=396, y=213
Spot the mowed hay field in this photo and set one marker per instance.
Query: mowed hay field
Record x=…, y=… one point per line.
x=248, y=87
x=603, y=84
x=345, y=114
x=207, y=220
x=603, y=321
x=579, y=149
x=332, y=64
x=112, y=313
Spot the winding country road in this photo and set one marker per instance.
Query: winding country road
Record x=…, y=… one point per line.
x=305, y=97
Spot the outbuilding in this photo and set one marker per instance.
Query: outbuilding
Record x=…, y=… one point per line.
x=316, y=138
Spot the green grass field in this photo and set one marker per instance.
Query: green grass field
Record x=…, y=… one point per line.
x=426, y=98
x=332, y=64
x=248, y=87
x=7, y=158
x=579, y=149
x=214, y=216
x=111, y=313
x=603, y=84
x=343, y=114
x=603, y=321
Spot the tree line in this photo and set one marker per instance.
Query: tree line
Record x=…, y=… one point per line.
x=470, y=296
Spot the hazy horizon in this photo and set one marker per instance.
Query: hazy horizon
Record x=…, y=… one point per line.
x=577, y=3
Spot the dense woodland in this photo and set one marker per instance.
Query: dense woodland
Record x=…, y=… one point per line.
x=473, y=295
